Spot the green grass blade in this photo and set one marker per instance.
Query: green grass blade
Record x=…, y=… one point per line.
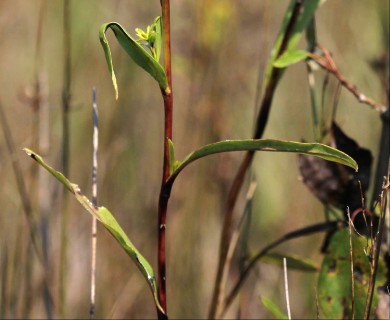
x=308, y=9
x=311, y=149
x=109, y=222
x=293, y=262
x=290, y=57
x=273, y=308
x=136, y=52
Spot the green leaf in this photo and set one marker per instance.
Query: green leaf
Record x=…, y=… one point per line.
x=136, y=52
x=273, y=308
x=290, y=57
x=335, y=281
x=312, y=149
x=157, y=27
x=308, y=10
x=293, y=262
x=109, y=222
x=171, y=156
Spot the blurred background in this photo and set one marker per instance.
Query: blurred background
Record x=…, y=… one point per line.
x=220, y=49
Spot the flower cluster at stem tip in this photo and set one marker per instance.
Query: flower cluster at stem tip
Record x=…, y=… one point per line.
x=148, y=38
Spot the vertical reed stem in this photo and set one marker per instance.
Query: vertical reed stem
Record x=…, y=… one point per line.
x=65, y=153
x=95, y=139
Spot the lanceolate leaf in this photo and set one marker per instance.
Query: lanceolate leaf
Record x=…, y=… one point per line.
x=313, y=149
x=109, y=222
x=308, y=9
x=293, y=262
x=290, y=57
x=273, y=308
x=139, y=55
x=157, y=25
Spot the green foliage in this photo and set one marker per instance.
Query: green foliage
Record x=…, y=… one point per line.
x=273, y=308
x=147, y=61
x=289, y=57
x=109, y=222
x=293, y=262
x=335, y=280
x=312, y=149
x=309, y=7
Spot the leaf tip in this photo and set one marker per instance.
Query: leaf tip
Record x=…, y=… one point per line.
x=28, y=151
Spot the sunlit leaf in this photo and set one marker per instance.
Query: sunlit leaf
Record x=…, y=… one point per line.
x=139, y=55
x=313, y=149
x=273, y=308
x=290, y=57
x=109, y=222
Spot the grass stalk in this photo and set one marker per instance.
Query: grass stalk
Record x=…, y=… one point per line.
x=164, y=195
x=20, y=183
x=95, y=139
x=261, y=123
x=286, y=288
x=65, y=152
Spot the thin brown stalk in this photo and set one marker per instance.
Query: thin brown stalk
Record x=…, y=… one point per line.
x=329, y=65
x=164, y=195
x=233, y=243
x=65, y=153
x=261, y=123
x=21, y=185
x=95, y=144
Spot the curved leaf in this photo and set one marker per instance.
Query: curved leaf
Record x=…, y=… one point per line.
x=290, y=57
x=109, y=222
x=136, y=52
x=273, y=308
x=312, y=149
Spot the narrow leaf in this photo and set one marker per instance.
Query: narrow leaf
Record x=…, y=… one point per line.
x=293, y=262
x=290, y=57
x=273, y=308
x=136, y=52
x=157, y=25
x=312, y=149
x=308, y=10
x=109, y=222
x=171, y=156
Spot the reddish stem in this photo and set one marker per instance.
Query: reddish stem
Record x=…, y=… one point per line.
x=164, y=195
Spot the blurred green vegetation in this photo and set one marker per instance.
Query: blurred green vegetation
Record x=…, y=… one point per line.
x=220, y=48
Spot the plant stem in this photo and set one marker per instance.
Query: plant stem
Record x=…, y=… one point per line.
x=95, y=143
x=65, y=153
x=164, y=195
x=261, y=123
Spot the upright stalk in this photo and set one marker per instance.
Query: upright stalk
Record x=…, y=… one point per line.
x=164, y=195
x=65, y=153
x=95, y=143
x=262, y=119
